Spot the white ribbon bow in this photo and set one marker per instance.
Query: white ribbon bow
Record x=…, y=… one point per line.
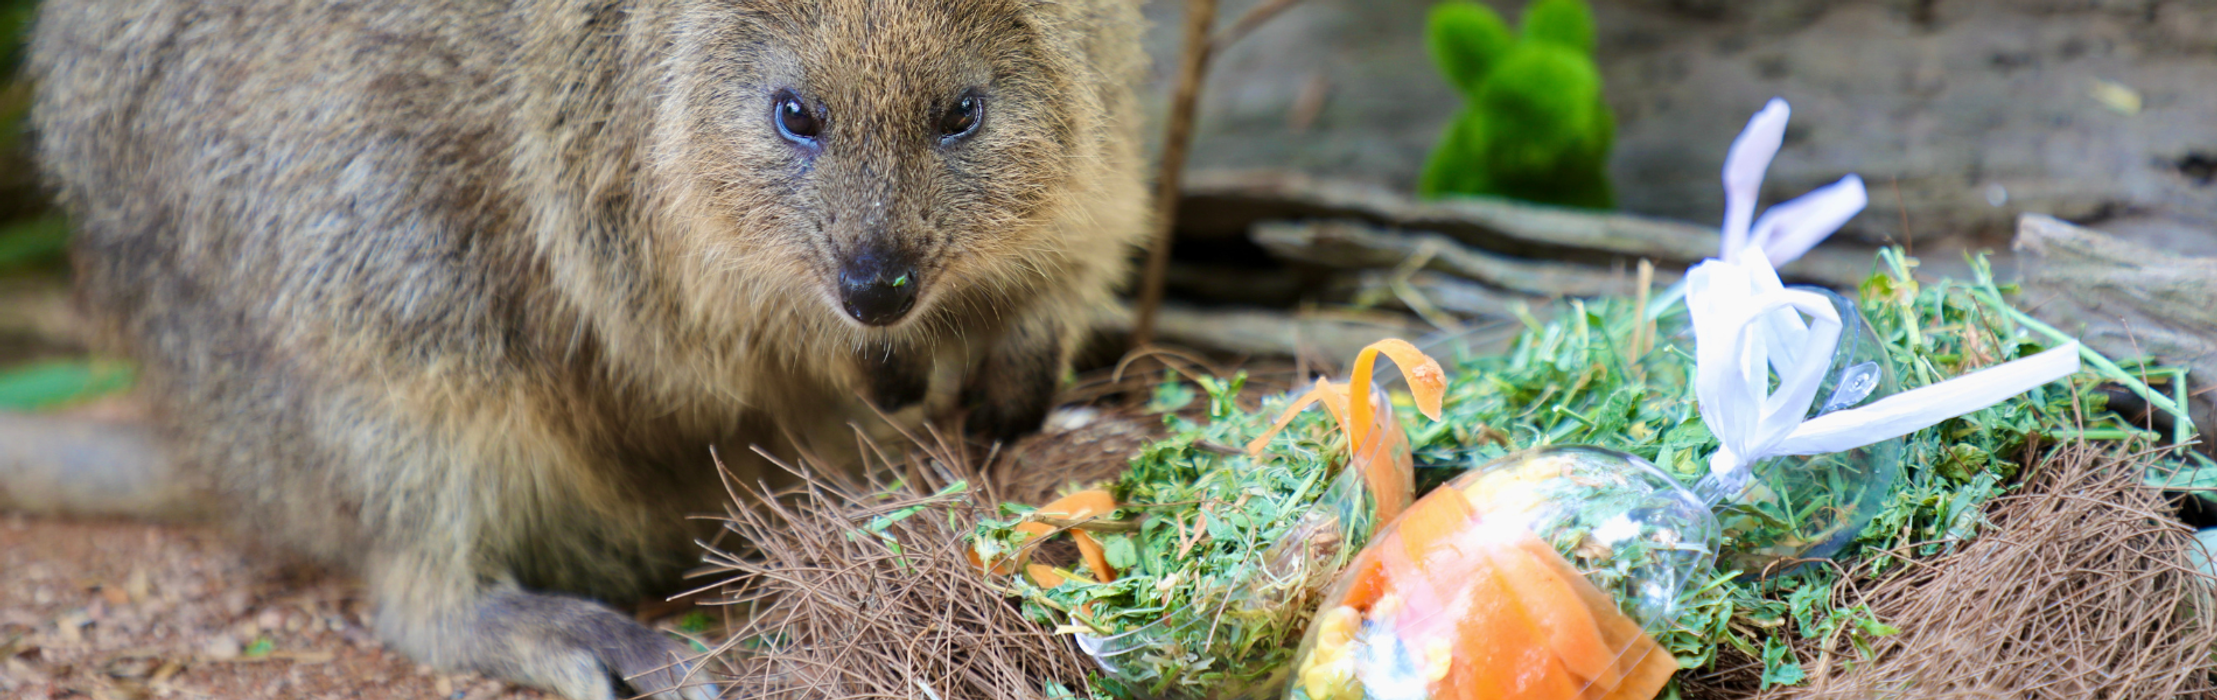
x=1788, y=230
x=1738, y=343
x=1748, y=325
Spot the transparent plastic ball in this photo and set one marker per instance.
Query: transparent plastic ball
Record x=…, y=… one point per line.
x=1797, y=508
x=1195, y=659
x=1545, y=572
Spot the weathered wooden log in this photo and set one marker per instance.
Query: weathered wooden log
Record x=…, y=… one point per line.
x=1230, y=203
x=1332, y=337
x=2125, y=300
x=1347, y=244
x=1247, y=286
x=1444, y=293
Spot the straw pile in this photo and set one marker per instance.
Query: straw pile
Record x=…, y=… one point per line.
x=861, y=590
x=2082, y=587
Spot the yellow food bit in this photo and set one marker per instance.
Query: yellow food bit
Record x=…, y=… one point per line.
x=1439, y=656
x=1329, y=672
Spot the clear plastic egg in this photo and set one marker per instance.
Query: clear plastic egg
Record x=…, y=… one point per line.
x=1540, y=574
x=1186, y=660
x=1798, y=508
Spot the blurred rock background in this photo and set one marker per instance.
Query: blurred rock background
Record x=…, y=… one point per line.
x=2098, y=112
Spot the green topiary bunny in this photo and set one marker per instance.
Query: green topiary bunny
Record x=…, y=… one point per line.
x=1533, y=124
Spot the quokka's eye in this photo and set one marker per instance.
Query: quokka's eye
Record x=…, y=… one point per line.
x=962, y=119
x=794, y=120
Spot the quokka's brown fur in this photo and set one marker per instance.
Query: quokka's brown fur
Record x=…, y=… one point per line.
x=460, y=293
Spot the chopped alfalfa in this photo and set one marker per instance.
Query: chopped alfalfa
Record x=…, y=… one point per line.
x=1203, y=522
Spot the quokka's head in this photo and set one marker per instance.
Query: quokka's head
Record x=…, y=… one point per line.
x=876, y=164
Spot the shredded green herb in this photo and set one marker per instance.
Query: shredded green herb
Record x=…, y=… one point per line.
x=1222, y=557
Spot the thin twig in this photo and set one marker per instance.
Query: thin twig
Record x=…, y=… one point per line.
x=1255, y=17
x=1200, y=16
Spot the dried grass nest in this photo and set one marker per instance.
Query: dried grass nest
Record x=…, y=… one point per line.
x=2082, y=586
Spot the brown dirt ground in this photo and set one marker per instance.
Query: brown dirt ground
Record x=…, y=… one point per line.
x=122, y=610
x=117, y=609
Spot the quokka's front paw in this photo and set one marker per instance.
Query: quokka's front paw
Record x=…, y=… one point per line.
x=1011, y=391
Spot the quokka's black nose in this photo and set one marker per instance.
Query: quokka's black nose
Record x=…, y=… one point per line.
x=877, y=293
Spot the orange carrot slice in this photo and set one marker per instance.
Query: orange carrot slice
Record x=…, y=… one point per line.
x=1561, y=616
x=1096, y=558
x=1044, y=575
x=1498, y=653
x=1076, y=506
x=1376, y=447
x=999, y=568
x=1427, y=385
x=1083, y=504
x=1393, y=481
x=1334, y=398
x=1643, y=665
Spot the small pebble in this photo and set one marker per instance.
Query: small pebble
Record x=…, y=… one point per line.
x=235, y=602
x=222, y=647
x=68, y=627
x=137, y=585
x=486, y=690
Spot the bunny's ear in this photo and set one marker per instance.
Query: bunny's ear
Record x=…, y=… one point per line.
x=1565, y=22
x=1466, y=39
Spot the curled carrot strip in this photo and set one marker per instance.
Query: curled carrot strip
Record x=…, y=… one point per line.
x=1096, y=558
x=1254, y=447
x=1374, y=440
x=1083, y=504
x=1427, y=383
x=1387, y=468
x=1334, y=398
x=1086, y=504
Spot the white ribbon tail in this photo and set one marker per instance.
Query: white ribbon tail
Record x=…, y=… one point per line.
x=1911, y=411
x=1744, y=165
x=1788, y=230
